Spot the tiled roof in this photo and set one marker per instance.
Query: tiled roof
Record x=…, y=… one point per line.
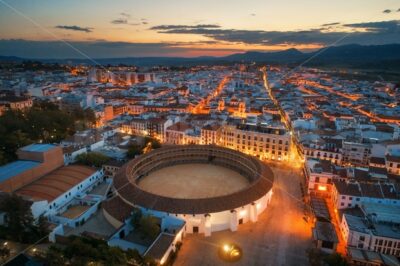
x=160, y=246
x=392, y=158
x=180, y=126
x=362, y=189
x=345, y=188
x=258, y=187
x=56, y=183
x=377, y=160
x=117, y=208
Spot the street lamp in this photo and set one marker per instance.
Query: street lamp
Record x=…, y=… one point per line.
x=230, y=252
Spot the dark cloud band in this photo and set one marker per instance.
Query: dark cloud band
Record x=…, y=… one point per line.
x=74, y=28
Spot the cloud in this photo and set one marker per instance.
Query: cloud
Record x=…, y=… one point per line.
x=145, y=22
x=387, y=11
x=330, y=24
x=253, y=14
x=74, y=28
x=119, y=21
x=398, y=10
x=184, y=27
x=103, y=49
x=125, y=14
x=377, y=26
x=375, y=33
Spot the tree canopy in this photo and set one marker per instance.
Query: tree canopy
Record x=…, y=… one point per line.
x=82, y=250
x=44, y=123
x=20, y=225
x=149, y=144
x=95, y=159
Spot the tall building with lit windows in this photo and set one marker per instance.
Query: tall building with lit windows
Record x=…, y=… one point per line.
x=264, y=142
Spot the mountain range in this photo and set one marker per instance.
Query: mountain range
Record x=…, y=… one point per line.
x=354, y=56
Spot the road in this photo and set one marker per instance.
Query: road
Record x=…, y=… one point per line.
x=296, y=150
x=279, y=237
x=200, y=108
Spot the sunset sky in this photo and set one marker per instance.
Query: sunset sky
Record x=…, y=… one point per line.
x=188, y=28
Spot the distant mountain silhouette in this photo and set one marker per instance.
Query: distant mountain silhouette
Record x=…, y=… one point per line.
x=353, y=55
x=290, y=55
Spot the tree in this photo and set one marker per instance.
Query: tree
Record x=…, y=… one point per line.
x=19, y=217
x=148, y=226
x=136, y=216
x=44, y=123
x=4, y=253
x=115, y=256
x=314, y=257
x=134, y=150
x=155, y=144
x=80, y=251
x=55, y=257
x=92, y=159
x=335, y=259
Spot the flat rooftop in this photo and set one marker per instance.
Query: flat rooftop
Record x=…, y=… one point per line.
x=15, y=168
x=384, y=213
x=325, y=231
x=38, y=147
x=262, y=129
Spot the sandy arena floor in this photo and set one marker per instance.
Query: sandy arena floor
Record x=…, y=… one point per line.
x=190, y=181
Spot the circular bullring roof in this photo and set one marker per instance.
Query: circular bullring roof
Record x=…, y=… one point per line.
x=126, y=182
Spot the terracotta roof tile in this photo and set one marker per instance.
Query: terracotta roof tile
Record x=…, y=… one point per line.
x=56, y=183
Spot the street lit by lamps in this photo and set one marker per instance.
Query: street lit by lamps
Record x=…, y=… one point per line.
x=230, y=252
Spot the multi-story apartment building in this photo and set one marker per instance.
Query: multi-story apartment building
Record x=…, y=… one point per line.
x=356, y=153
x=393, y=164
x=152, y=127
x=330, y=150
x=210, y=134
x=372, y=227
x=180, y=134
x=320, y=175
x=264, y=142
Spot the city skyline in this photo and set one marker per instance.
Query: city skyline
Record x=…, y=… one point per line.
x=183, y=29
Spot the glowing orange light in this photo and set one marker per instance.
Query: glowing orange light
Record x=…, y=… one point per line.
x=322, y=188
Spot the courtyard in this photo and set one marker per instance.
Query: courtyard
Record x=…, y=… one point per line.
x=75, y=211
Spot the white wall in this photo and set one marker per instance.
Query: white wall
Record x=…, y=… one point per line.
x=53, y=207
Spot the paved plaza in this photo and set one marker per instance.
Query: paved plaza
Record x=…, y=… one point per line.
x=280, y=237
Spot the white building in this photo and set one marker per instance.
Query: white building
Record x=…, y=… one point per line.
x=263, y=142
x=348, y=194
x=52, y=191
x=373, y=227
x=320, y=175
